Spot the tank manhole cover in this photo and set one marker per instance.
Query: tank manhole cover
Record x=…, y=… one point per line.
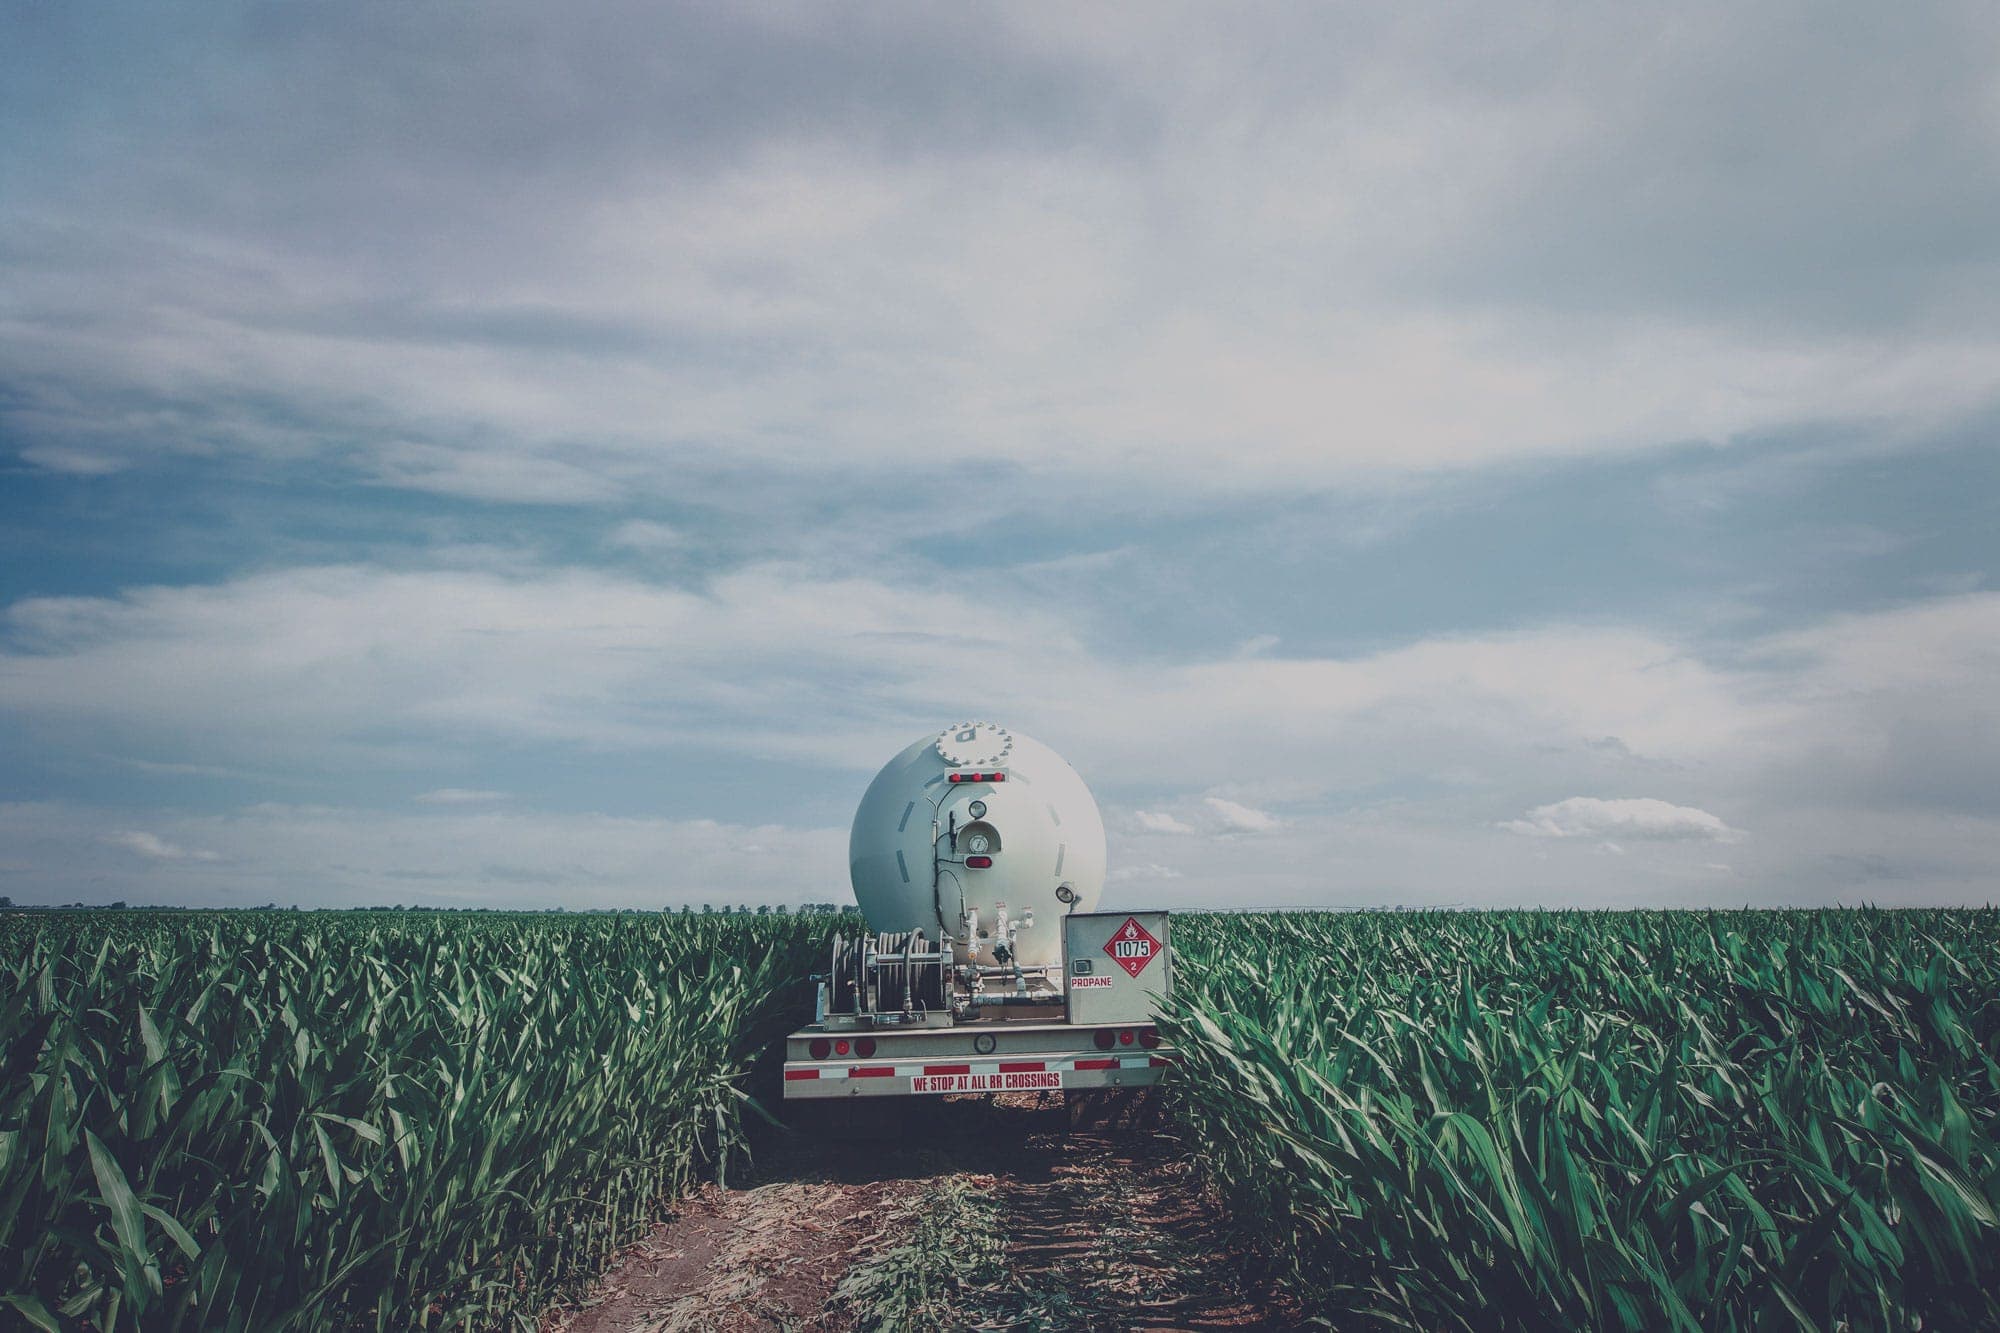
x=975, y=745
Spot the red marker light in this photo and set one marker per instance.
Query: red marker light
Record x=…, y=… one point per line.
x=979, y=862
x=1124, y=1039
x=840, y=1047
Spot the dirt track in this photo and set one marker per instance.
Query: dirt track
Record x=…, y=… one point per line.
x=1101, y=1222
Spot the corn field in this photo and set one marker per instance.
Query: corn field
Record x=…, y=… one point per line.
x=1474, y=1121
x=1608, y=1121
x=269, y=1121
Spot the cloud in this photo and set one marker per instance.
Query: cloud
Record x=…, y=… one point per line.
x=73, y=462
x=442, y=856
x=155, y=848
x=1839, y=740
x=459, y=796
x=645, y=536
x=354, y=664
x=1241, y=818
x=320, y=656
x=1224, y=255
x=1158, y=821
x=1130, y=874
x=1633, y=819
x=331, y=660
x=506, y=476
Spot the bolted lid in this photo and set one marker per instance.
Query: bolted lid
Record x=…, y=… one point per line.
x=975, y=744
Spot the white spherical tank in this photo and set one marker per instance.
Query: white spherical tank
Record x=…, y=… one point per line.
x=1016, y=826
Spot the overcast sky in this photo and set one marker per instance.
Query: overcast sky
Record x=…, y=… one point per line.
x=508, y=455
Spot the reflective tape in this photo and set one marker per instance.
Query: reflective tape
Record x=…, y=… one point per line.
x=981, y=1069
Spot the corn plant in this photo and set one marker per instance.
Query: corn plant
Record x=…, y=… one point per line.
x=272, y=1121
x=1532, y=1120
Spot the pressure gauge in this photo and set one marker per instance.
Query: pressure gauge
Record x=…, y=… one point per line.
x=977, y=809
x=977, y=842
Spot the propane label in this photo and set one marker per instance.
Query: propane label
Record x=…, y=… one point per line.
x=1131, y=946
x=1048, y=1081
x=1088, y=983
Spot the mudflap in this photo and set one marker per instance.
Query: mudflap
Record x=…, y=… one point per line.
x=1113, y=1110
x=857, y=1120
x=972, y=1115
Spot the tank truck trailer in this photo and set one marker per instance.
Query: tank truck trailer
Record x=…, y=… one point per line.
x=977, y=858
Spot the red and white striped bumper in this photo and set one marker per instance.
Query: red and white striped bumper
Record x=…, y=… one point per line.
x=1016, y=1073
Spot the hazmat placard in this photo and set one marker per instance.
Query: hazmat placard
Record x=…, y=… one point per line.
x=1132, y=946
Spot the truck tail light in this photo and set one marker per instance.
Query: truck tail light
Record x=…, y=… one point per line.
x=864, y=1047
x=1104, y=1039
x=1150, y=1038
x=820, y=1048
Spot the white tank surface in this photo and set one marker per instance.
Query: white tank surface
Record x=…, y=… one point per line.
x=1014, y=804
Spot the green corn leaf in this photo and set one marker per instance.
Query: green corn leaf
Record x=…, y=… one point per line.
x=177, y=1233
x=29, y=1306
x=135, y=1259
x=126, y=1219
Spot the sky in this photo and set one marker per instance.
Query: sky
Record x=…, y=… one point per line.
x=511, y=456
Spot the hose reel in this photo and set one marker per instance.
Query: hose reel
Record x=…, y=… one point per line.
x=893, y=973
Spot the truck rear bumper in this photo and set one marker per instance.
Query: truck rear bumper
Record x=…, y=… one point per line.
x=1016, y=1072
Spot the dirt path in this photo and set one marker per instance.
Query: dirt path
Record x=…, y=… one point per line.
x=1086, y=1223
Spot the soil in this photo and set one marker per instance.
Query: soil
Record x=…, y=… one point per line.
x=1105, y=1226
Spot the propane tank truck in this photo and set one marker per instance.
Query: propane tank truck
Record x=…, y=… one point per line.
x=977, y=858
